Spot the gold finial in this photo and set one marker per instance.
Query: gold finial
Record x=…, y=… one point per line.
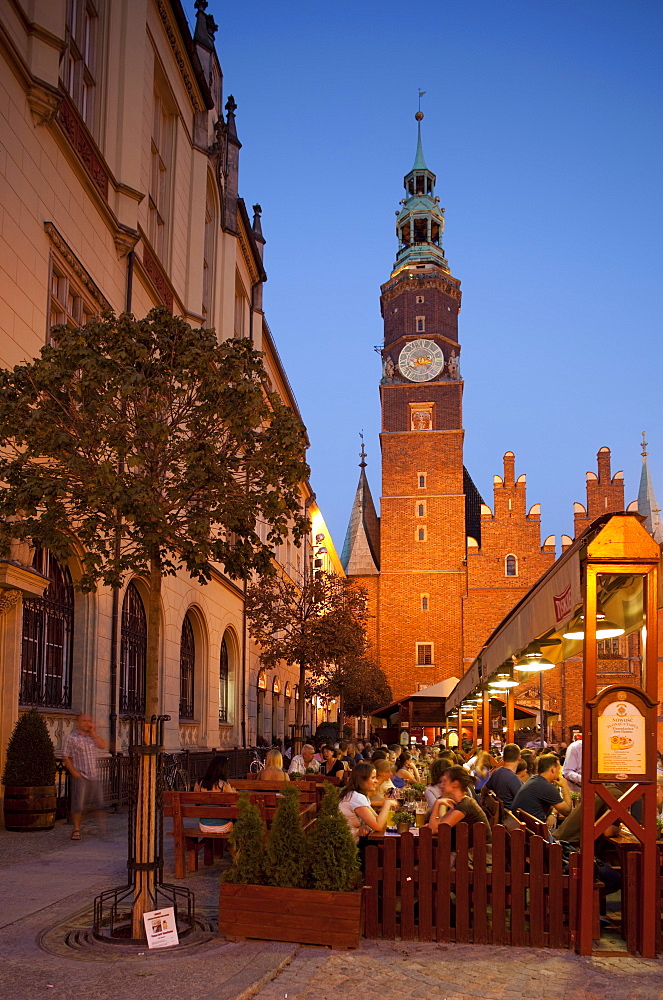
x=419, y=115
x=644, y=445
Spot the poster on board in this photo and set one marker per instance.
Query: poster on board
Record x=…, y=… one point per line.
x=621, y=726
x=161, y=928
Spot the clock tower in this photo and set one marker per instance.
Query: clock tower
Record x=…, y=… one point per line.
x=423, y=565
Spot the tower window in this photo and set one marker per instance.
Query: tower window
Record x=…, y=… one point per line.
x=422, y=480
x=511, y=566
x=421, y=534
x=424, y=654
x=421, y=324
x=419, y=299
x=424, y=602
x=421, y=510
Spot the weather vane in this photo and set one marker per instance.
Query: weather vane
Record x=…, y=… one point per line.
x=419, y=115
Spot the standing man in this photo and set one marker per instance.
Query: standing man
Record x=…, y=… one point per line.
x=572, y=769
x=80, y=753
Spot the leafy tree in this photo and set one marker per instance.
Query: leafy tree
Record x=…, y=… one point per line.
x=332, y=860
x=319, y=620
x=248, y=841
x=359, y=683
x=158, y=449
x=285, y=843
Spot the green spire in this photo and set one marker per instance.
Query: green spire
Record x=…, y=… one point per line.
x=419, y=161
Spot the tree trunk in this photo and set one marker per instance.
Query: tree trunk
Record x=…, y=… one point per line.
x=341, y=711
x=299, y=714
x=145, y=845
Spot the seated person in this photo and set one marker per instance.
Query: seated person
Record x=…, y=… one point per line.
x=273, y=769
x=215, y=779
x=332, y=763
x=433, y=791
x=355, y=805
x=504, y=781
x=521, y=772
x=304, y=761
x=384, y=770
x=406, y=768
x=545, y=791
x=456, y=804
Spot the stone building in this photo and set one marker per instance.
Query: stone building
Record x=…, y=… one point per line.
x=119, y=158
x=443, y=568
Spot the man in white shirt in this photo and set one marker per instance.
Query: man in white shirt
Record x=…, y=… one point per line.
x=572, y=769
x=304, y=761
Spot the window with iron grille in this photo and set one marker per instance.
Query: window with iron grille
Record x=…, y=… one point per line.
x=46, y=647
x=133, y=653
x=424, y=654
x=223, y=683
x=187, y=665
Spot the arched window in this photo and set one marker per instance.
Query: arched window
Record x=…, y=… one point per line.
x=511, y=566
x=187, y=665
x=223, y=682
x=133, y=653
x=46, y=647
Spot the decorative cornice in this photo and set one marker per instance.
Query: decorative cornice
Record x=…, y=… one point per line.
x=82, y=143
x=177, y=53
x=451, y=286
x=43, y=101
x=125, y=240
x=70, y=258
x=157, y=276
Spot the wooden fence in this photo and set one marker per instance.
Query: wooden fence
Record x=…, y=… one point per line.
x=418, y=888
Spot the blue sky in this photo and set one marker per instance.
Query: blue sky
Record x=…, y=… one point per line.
x=543, y=125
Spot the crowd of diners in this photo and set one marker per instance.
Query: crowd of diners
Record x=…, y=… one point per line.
x=374, y=777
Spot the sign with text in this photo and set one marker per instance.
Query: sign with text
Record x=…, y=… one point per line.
x=161, y=928
x=622, y=728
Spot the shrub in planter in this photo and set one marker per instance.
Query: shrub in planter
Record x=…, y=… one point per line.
x=286, y=843
x=247, y=839
x=402, y=820
x=331, y=853
x=29, y=776
x=252, y=905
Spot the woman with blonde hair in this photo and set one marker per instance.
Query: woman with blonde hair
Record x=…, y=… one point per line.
x=273, y=769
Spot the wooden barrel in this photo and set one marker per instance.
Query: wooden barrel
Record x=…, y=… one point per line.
x=30, y=808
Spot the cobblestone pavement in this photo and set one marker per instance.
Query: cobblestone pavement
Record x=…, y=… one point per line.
x=45, y=880
x=393, y=971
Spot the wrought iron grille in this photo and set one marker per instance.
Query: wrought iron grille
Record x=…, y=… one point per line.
x=46, y=647
x=223, y=683
x=187, y=664
x=133, y=653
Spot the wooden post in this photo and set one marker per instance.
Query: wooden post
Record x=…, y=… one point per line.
x=510, y=706
x=475, y=727
x=485, y=722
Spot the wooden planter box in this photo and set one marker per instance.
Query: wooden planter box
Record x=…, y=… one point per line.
x=303, y=916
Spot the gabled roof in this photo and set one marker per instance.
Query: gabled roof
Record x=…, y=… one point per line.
x=361, y=550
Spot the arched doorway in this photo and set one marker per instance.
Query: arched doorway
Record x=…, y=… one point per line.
x=47, y=638
x=133, y=653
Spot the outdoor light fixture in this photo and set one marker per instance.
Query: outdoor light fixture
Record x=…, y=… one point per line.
x=605, y=629
x=533, y=660
x=502, y=682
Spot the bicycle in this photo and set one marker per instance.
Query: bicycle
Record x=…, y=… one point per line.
x=175, y=777
x=258, y=763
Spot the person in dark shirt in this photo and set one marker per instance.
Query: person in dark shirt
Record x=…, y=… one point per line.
x=544, y=791
x=503, y=781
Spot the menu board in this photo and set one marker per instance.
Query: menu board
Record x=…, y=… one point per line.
x=620, y=751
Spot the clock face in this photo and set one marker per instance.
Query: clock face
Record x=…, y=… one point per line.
x=421, y=360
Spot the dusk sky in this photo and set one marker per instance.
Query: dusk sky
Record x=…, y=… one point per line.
x=543, y=125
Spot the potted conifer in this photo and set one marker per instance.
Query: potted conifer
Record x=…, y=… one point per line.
x=289, y=885
x=29, y=776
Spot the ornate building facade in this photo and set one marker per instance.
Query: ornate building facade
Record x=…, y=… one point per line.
x=119, y=158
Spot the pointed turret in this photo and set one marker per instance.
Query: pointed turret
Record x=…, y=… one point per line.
x=420, y=222
x=361, y=549
x=647, y=505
